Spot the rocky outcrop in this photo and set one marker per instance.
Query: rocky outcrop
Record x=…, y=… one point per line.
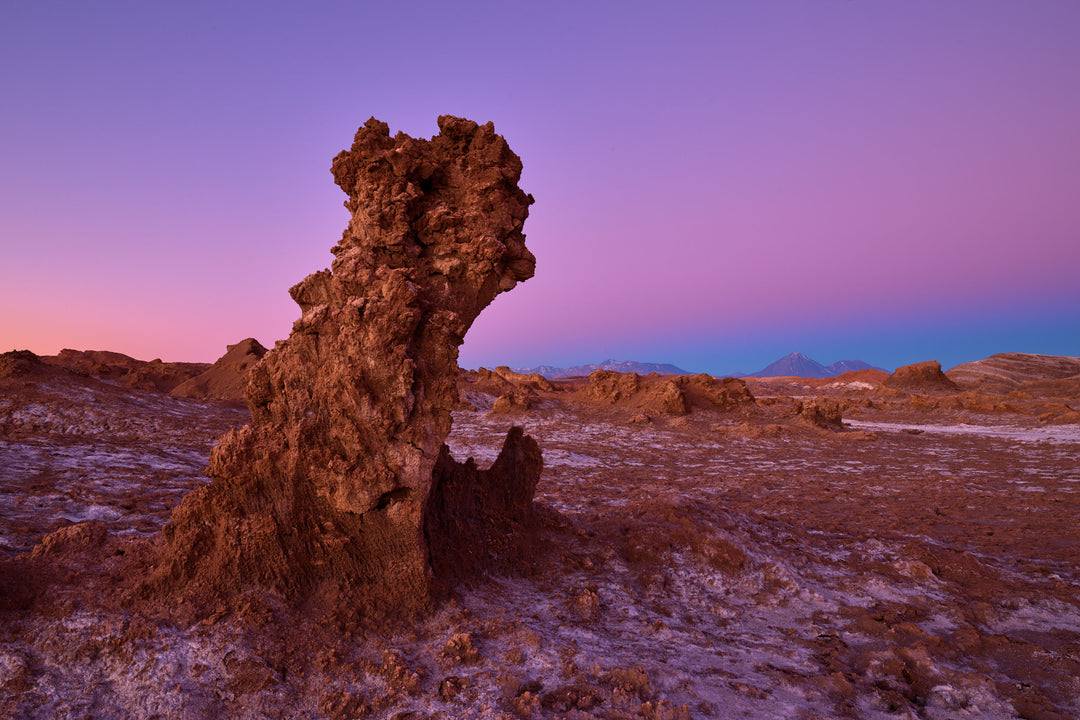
x=666, y=397
x=923, y=378
x=340, y=490
x=667, y=394
x=514, y=401
x=228, y=377
x=483, y=519
x=724, y=394
x=21, y=364
x=535, y=380
x=824, y=413
x=609, y=386
x=153, y=375
x=1006, y=372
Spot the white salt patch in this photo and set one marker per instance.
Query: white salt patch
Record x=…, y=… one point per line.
x=1055, y=433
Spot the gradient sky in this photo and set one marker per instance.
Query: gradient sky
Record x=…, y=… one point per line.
x=717, y=184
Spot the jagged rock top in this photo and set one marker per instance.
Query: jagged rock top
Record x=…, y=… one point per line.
x=452, y=226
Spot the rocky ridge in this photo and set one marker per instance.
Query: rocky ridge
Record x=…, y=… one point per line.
x=153, y=375
x=1006, y=372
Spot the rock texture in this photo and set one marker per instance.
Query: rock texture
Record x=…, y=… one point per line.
x=1005, y=372
x=327, y=494
x=228, y=377
x=483, y=518
x=924, y=377
x=667, y=394
x=153, y=375
x=21, y=364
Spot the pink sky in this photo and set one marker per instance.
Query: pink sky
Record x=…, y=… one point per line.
x=717, y=184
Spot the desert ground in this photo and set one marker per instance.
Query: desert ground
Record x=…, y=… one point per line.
x=868, y=546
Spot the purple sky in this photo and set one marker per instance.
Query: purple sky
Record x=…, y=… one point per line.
x=717, y=184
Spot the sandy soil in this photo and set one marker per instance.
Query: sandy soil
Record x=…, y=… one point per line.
x=920, y=563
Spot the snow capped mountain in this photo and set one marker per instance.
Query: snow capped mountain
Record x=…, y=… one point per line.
x=624, y=366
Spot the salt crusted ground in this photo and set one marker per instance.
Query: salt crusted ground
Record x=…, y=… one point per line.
x=692, y=567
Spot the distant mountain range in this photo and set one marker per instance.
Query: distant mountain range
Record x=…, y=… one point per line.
x=798, y=365
x=624, y=366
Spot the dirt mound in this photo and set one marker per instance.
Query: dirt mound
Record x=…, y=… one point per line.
x=154, y=375
x=326, y=494
x=922, y=378
x=227, y=378
x=1005, y=372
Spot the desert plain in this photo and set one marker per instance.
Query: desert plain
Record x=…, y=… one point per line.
x=867, y=546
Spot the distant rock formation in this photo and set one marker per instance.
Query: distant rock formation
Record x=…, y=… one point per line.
x=153, y=375
x=668, y=395
x=798, y=365
x=924, y=377
x=859, y=379
x=622, y=366
x=341, y=489
x=824, y=413
x=1005, y=372
x=228, y=377
x=21, y=364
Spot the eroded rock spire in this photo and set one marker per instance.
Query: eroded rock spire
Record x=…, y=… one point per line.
x=329, y=490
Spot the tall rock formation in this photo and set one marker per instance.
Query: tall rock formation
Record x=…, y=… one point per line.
x=328, y=493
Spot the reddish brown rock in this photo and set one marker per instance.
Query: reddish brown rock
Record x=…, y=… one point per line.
x=511, y=402
x=153, y=375
x=480, y=519
x=924, y=377
x=667, y=394
x=825, y=413
x=721, y=394
x=228, y=377
x=327, y=493
x=608, y=386
x=535, y=380
x=666, y=397
x=21, y=364
x=1005, y=372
